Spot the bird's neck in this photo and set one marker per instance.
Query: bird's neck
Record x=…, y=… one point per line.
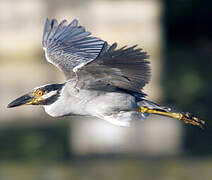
x=67, y=103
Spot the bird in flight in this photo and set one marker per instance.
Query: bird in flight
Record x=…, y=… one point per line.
x=101, y=80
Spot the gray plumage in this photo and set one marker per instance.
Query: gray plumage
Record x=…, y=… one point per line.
x=112, y=106
x=102, y=80
x=124, y=68
x=67, y=46
x=108, y=81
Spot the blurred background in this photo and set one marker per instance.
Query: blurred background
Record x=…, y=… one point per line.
x=178, y=36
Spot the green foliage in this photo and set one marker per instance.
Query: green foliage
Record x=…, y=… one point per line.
x=188, y=76
x=44, y=142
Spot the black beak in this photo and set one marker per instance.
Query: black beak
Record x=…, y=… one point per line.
x=20, y=101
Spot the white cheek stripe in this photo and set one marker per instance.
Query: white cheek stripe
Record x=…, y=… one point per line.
x=45, y=96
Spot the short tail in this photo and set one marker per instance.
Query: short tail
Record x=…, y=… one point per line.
x=148, y=107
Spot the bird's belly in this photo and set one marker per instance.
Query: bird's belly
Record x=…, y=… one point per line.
x=111, y=102
x=91, y=103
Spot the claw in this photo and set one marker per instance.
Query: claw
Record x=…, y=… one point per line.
x=188, y=118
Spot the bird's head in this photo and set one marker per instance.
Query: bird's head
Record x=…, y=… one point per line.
x=43, y=95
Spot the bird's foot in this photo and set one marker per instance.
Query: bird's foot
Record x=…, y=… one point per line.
x=188, y=118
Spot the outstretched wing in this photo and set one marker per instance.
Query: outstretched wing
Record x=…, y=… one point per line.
x=124, y=68
x=69, y=46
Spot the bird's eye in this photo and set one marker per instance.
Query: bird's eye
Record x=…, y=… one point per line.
x=38, y=92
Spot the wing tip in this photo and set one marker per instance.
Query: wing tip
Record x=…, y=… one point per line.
x=47, y=20
x=75, y=21
x=53, y=23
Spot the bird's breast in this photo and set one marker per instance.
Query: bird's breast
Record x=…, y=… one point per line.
x=68, y=104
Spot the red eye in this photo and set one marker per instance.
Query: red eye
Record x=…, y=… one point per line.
x=39, y=93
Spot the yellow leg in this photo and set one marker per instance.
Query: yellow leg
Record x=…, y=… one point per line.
x=186, y=117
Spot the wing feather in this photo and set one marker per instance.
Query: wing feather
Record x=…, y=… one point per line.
x=100, y=65
x=124, y=68
x=68, y=46
x=46, y=31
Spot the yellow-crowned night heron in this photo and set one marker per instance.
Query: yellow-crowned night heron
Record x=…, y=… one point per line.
x=102, y=81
